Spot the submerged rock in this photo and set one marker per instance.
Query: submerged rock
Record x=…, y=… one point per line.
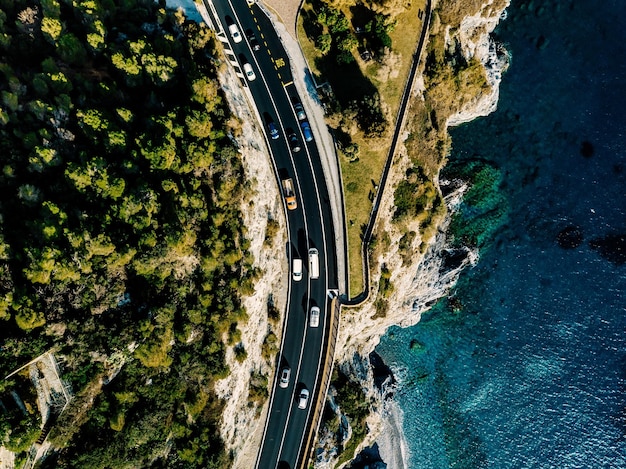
x=382, y=373
x=611, y=247
x=416, y=346
x=586, y=149
x=570, y=237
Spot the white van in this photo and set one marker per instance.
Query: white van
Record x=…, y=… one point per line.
x=296, y=269
x=314, y=316
x=314, y=263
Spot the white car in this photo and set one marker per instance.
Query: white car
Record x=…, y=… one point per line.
x=247, y=69
x=234, y=32
x=285, y=373
x=314, y=319
x=303, y=399
x=296, y=270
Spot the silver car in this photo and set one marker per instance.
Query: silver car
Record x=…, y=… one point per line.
x=285, y=373
x=303, y=399
x=299, y=111
x=314, y=316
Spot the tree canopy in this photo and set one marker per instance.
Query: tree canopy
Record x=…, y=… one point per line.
x=115, y=163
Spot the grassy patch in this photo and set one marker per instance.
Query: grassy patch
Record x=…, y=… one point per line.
x=386, y=78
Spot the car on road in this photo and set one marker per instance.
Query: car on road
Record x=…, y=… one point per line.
x=314, y=263
x=234, y=32
x=296, y=269
x=271, y=126
x=314, y=316
x=247, y=69
x=254, y=43
x=285, y=374
x=306, y=131
x=294, y=143
x=303, y=398
x=300, y=114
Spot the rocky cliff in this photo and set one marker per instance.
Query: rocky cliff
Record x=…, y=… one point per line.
x=418, y=284
x=428, y=277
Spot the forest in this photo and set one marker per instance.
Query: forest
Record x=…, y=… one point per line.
x=122, y=248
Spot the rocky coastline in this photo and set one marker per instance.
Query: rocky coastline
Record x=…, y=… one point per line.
x=427, y=279
x=420, y=284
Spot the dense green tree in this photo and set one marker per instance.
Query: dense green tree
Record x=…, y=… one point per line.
x=324, y=42
x=125, y=251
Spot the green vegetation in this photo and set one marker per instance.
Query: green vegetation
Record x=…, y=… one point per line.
x=385, y=289
x=450, y=82
x=258, y=390
x=120, y=235
x=271, y=231
x=354, y=406
x=20, y=420
x=270, y=347
x=362, y=95
x=331, y=35
x=404, y=246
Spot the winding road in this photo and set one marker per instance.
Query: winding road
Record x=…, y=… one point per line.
x=306, y=351
x=309, y=226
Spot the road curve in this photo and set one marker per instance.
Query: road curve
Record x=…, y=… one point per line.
x=310, y=225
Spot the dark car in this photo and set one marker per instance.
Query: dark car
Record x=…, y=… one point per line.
x=299, y=111
x=273, y=130
x=306, y=131
x=254, y=43
x=294, y=143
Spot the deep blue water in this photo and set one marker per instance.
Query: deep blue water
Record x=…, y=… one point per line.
x=525, y=367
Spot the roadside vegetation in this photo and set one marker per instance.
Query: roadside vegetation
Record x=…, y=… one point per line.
x=353, y=409
x=360, y=53
x=450, y=81
x=121, y=241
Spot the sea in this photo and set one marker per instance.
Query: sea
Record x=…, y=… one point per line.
x=523, y=365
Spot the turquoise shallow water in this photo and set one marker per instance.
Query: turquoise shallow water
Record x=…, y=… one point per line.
x=525, y=367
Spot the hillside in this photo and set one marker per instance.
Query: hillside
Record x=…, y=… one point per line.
x=121, y=248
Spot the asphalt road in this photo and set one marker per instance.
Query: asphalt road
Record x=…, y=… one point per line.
x=310, y=225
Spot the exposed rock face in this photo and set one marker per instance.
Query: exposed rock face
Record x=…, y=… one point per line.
x=242, y=425
x=475, y=38
x=418, y=287
x=431, y=275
